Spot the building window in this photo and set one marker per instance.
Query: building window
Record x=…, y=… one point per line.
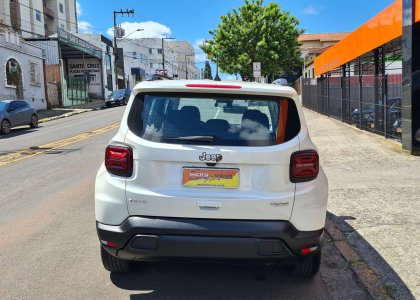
x=61, y=7
x=109, y=82
x=62, y=26
x=13, y=72
x=38, y=15
x=134, y=55
x=150, y=51
x=34, y=71
x=159, y=51
x=151, y=65
x=108, y=62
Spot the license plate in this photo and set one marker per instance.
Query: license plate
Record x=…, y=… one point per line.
x=208, y=177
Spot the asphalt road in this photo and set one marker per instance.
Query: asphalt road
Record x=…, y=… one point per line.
x=49, y=248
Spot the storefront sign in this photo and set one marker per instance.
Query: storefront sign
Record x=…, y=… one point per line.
x=89, y=69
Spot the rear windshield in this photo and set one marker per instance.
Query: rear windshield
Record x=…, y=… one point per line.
x=231, y=120
x=118, y=93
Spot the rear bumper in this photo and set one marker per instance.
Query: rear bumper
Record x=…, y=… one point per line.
x=152, y=238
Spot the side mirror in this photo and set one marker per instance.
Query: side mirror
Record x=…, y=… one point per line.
x=10, y=110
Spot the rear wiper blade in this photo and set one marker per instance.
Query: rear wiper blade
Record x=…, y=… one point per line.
x=198, y=138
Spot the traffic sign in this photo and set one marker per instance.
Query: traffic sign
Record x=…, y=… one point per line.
x=257, y=69
x=256, y=66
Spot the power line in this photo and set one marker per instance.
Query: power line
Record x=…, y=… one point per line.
x=74, y=23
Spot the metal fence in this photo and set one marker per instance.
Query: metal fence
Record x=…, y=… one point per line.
x=76, y=90
x=360, y=94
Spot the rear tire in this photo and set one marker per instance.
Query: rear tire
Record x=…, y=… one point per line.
x=5, y=127
x=34, y=121
x=308, y=266
x=115, y=264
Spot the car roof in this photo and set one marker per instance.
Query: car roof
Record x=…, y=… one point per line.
x=8, y=101
x=210, y=86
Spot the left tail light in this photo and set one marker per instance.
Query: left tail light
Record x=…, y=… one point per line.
x=119, y=160
x=304, y=166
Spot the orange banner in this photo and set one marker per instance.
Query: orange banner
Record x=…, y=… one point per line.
x=417, y=11
x=381, y=29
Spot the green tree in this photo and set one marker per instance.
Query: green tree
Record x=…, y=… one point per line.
x=255, y=33
x=207, y=71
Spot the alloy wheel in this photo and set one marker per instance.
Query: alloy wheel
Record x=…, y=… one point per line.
x=5, y=126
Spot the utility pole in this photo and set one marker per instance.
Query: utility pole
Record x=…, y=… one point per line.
x=121, y=12
x=217, y=78
x=186, y=64
x=163, y=52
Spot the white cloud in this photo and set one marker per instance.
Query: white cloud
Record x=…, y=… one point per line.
x=84, y=27
x=151, y=30
x=198, y=43
x=200, y=57
x=79, y=9
x=313, y=9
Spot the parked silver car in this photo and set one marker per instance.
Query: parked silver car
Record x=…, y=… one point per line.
x=16, y=113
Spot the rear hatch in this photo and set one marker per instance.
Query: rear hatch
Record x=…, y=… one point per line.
x=212, y=156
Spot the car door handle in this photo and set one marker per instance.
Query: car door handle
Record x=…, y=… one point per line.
x=209, y=205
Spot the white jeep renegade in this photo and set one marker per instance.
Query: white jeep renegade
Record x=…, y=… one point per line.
x=203, y=170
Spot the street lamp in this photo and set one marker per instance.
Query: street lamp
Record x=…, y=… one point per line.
x=116, y=47
x=139, y=29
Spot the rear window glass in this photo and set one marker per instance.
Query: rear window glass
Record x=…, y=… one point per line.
x=232, y=120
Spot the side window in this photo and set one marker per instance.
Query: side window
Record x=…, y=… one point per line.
x=23, y=104
x=13, y=105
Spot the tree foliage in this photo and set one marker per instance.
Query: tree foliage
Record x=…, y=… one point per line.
x=207, y=71
x=255, y=33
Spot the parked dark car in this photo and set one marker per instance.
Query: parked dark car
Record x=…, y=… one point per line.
x=367, y=113
x=16, y=113
x=393, y=112
x=118, y=97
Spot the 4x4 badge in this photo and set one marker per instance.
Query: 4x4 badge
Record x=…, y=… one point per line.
x=210, y=157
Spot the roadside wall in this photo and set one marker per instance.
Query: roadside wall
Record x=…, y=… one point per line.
x=27, y=60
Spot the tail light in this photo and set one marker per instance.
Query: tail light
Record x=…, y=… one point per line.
x=119, y=160
x=304, y=166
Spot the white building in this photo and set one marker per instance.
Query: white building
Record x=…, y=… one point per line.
x=39, y=18
x=186, y=59
x=108, y=71
x=22, y=68
x=137, y=61
x=147, y=56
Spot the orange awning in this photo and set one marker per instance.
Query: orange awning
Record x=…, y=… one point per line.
x=381, y=29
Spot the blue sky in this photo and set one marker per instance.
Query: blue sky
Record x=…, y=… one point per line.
x=191, y=20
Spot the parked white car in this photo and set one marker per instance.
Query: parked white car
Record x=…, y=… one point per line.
x=186, y=179
x=280, y=81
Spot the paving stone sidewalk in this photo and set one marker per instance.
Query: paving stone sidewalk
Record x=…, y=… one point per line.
x=58, y=113
x=374, y=201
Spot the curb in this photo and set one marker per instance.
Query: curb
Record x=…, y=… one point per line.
x=365, y=274
x=69, y=114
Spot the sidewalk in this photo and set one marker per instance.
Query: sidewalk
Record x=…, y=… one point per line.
x=58, y=113
x=374, y=201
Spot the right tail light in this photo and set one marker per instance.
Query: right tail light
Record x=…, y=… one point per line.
x=119, y=160
x=304, y=166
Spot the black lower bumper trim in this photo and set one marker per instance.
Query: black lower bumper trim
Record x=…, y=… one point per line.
x=154, y=238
